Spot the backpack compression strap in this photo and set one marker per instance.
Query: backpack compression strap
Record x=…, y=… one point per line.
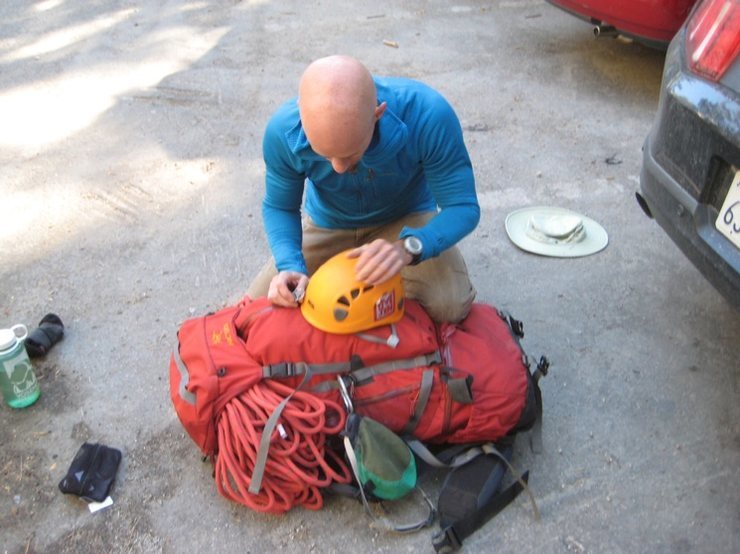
x=264, y=445
x=358, y=372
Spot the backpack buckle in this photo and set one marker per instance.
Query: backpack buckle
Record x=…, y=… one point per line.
x=516, y=326
x=543, y=366
x=283, y=370
x=446, y=541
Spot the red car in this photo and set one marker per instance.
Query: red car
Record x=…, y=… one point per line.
x=653, y=22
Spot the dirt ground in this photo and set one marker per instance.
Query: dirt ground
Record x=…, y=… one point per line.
x=130, y=144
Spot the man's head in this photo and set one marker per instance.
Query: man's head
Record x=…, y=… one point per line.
x=339, y=107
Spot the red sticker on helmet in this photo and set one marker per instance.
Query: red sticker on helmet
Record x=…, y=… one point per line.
x=385, y=306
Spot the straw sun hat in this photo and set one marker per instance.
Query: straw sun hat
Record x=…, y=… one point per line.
x=556, y=232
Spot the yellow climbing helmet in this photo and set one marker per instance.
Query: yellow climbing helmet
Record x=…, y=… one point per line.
x=336, y=302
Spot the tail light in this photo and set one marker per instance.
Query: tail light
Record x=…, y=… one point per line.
x=713, y=37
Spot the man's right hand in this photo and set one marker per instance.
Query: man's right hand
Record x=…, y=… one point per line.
x=286, y=287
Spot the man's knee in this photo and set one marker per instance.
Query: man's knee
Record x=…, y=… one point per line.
x=260, y=285
x=451, y=309
x=442, y=286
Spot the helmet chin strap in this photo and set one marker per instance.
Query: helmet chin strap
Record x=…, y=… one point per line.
x=391, y=341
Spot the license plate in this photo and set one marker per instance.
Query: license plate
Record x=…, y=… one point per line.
x=728, y=221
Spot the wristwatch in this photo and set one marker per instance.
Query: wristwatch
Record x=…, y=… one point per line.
x=414, y=247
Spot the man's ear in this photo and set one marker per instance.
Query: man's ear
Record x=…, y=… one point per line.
x=380, y=110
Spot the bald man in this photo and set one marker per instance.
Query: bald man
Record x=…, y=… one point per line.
x=385, y=171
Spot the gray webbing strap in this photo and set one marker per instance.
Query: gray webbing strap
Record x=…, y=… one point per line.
x=291, y=369
x=264, y=447
x=391, y=341
x=535, y=435
x=182, y=390
x=541, y=368
x=383, y=522
x=488, y=448
x=460, y=390
x=425, y=454
x=325, y=386
x=425, y=390
x=365, y=373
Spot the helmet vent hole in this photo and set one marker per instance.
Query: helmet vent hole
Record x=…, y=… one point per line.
x=367, y=288
x=340, y=314
x=343, y=300
x=354, y=293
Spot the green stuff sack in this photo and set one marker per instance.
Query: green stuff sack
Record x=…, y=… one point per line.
x=383, y=464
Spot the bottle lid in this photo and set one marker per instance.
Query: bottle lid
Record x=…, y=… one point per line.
x=7, y=339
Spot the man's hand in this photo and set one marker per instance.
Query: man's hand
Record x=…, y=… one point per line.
x=379, y=260
x=287, y=288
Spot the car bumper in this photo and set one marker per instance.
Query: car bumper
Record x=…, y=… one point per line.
x=689, y=160
x=655, y=21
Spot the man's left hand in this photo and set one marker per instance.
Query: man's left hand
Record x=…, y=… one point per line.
x=379, y=260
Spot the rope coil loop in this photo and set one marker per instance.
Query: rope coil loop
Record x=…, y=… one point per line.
x=299, y=462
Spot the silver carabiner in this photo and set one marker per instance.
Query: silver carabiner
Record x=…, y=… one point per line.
x=346, y=398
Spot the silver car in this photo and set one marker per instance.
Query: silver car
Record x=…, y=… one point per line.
x=690, y=179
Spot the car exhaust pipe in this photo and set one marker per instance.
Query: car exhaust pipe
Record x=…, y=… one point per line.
x=644, y=205
x=601, y=30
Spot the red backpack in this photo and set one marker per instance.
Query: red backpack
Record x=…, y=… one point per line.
x=461, y=383
x=260, y=391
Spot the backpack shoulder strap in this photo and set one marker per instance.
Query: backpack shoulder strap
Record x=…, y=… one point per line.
x=451, y=537
x=471, y=494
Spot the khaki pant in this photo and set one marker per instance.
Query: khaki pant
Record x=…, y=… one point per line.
x=439, y=284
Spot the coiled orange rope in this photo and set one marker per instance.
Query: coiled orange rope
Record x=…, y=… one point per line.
x=299, y=463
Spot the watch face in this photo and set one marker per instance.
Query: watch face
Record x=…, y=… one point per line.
x=413, y=245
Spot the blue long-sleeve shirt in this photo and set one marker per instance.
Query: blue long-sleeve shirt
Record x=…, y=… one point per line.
x=416, y=161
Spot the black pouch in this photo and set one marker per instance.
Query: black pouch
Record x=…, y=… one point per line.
x=92, y=472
